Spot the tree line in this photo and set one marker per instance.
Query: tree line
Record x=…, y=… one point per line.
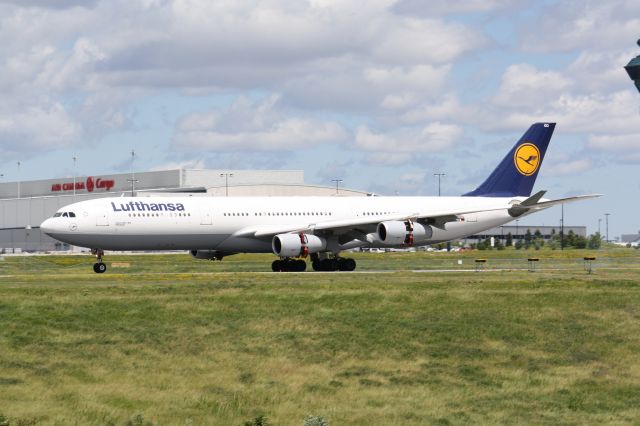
x=536, y=241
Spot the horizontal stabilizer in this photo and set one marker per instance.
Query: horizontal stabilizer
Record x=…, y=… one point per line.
x=531, y=204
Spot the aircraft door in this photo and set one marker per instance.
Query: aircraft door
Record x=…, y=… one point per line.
x=102, y=218
x=205, y=216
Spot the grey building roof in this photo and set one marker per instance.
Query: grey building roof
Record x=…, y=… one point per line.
x=630, y=238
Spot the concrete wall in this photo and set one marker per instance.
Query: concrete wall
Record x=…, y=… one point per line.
x=164, y=179
x=37, y=188
x=20, y=220
x=219, y=178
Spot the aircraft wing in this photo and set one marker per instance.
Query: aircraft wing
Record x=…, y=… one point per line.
x=437, y=218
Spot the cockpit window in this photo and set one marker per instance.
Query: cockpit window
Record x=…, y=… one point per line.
x=65, y=214
x=57, y=214
x=72, y=214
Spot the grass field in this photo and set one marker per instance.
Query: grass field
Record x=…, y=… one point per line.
x=184, y=342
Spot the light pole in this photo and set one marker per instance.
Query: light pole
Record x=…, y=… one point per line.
x=74, y=176
x=133, y=179
x=562, y=228
x=439, y=176
x=606, y=221
x=599, y=220
x=226, y=182
x=18, y=179
x=337, y=181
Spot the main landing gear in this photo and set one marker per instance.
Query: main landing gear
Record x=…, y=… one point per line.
x=99, y=267
x=318, y=264
x=335, y=264
x=289, y=265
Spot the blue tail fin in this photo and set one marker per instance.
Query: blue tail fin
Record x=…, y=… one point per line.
x=517, y=172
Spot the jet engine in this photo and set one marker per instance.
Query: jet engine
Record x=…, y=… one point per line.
x=395, y=233
x=206, y=254
x=294, y=245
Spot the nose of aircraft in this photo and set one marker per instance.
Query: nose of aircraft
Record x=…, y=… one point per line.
x=47, y=226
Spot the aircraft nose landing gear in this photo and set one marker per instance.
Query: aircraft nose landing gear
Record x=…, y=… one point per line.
x=99, y=267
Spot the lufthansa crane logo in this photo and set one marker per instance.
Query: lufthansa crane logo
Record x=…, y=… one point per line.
x=527, y=158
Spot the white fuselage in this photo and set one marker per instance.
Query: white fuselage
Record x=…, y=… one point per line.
x=214, y=223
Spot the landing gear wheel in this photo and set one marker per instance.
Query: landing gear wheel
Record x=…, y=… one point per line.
x=347, y=264
x=289, y=265
x=335, y=264
x=99, y=268
x=299, y=265
x=328, y=265
x=276, y=266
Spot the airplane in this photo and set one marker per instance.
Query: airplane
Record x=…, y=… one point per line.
x=295, y=228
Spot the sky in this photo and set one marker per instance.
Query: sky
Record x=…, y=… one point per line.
x=381, y=96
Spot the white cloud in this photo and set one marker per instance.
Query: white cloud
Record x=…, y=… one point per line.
x=435, y=137
x=52, y=4
x=568, y=168
x=612, y=113
x=99, y=58
x=37, y=128
x=601, y=71
x=411, y=40
x=288, y=134
x=186, y=164
x=415, y=178
x=446, y=108
x=388, y=158
x=523, y=85
x=77, y=70
x=259, y=126
x=419, y=78
x=626, y=144
x=83, y=69
x=587, y=25
x=447, y=7
x=400, y=101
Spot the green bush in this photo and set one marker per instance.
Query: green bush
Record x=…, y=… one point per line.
x=315, y=421
x=138, y=420
x=258, y=421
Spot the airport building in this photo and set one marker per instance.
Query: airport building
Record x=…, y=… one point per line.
x=632, y=240
x=25, y=205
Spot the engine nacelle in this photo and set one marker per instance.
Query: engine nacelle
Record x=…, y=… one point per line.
x=406, y=233
x=294, y=245
x=206, y=254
